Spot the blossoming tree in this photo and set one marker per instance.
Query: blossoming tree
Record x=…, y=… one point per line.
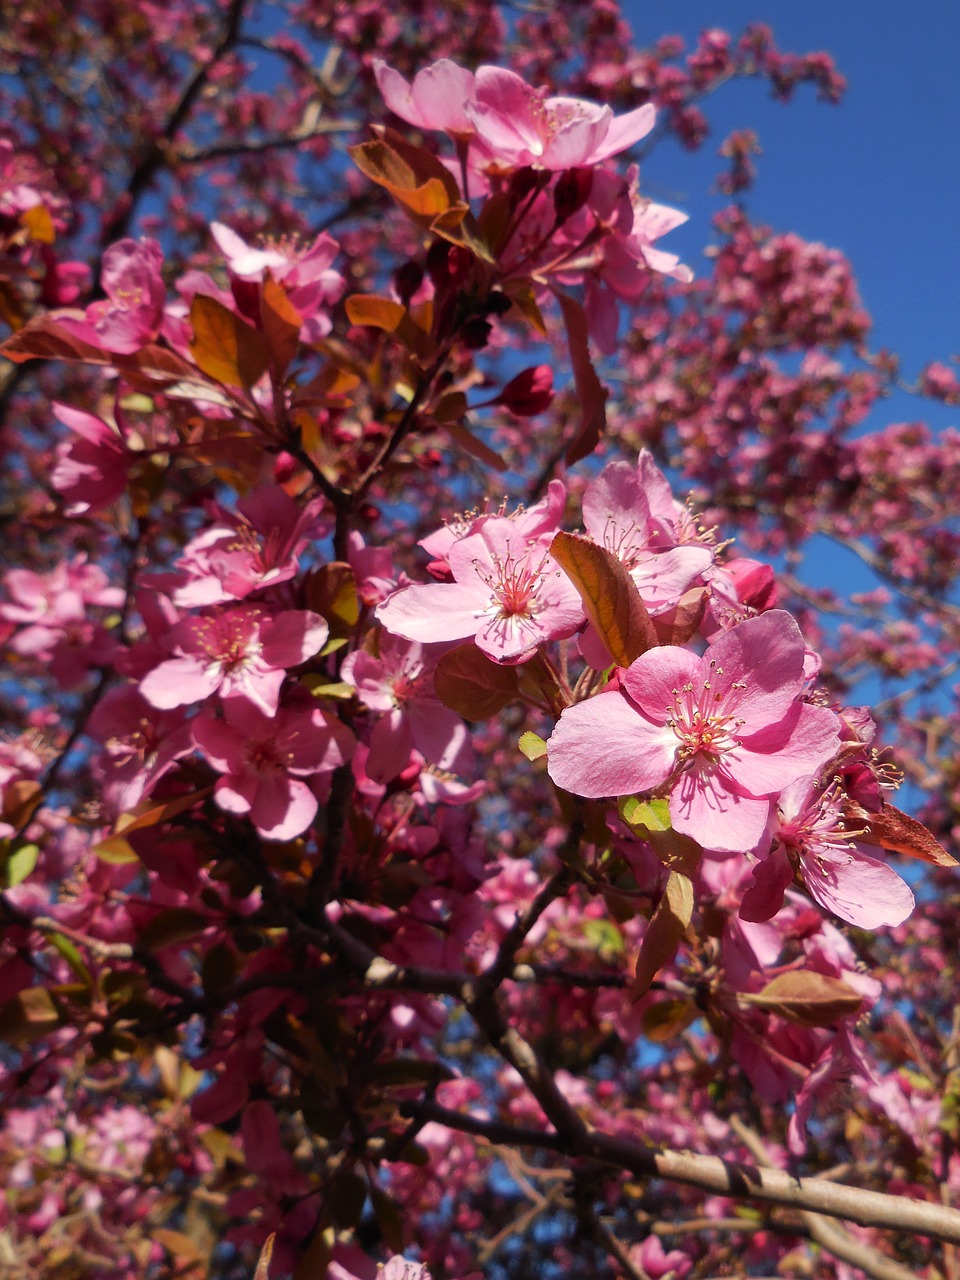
x=441, y=833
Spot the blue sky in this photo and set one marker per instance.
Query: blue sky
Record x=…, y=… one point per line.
x=877, y=177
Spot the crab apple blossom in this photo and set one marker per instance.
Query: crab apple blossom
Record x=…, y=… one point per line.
x=398, y=683
x=240, y=652
x=132, y=313
x=807, y=827
x=306, y=272
x=264, y=761
x=507, y=592
x=517, y=125
x=246, y=551
x=722, y=733
x=539, y=916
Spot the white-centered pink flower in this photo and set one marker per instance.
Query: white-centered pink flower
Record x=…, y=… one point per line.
x=305, y=271
x=519, y=125
x=508, y=593
x=398, y=683
x=509, y=121
x=265, y=759
x=808, y=832
x=723, y=733
x=237, y=653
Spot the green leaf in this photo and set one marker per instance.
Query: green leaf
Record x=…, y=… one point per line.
x=71, y=954
x=662, y=937
x=604, y=937
x=532, y=746
x=609, y=595
x=19, y=864
x=650, y=821
x=115, y=851
x=339, y=689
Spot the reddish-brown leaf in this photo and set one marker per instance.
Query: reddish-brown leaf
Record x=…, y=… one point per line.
x=281, y=323
x=468, y=682
x=44, y=339
x=610, y=596
x=806, y=997
x=681, y=623
x=224, y=346
x=898, y=832
x=591, y=392
x=375, y=312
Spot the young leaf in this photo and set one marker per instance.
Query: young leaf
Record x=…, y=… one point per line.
x=806, y=997
x=650, y=820
x=532, y=746
x=682, y=622
x=373, y=311
x=468, y=682
x=471, y=444
x=263, y=1262
x=281, y=323
x=591, y=392
x=43, y=339
x=224, y=346
x=610, y=596
x=666, y=928
x=898, y=832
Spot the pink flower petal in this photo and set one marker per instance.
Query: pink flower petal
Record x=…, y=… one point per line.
x=603, y=747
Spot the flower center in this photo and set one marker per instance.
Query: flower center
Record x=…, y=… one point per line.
x=698, y=720
x=514, y=586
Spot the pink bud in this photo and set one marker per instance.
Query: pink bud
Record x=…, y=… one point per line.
x=529, y=393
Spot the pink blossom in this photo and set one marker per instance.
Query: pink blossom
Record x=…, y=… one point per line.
x=132, y=314
x=534, y=522
x=659, y=1265
x=807, y=831
x=435, y=99
x=513, y=124
x=724, y=732
x=398, y=682
x=265, y=759
x=624, y=258
x=618, y=514
x=91, y=470
x=256, y=547
x=139, y=745
x=507, y=592
x=54, y=607
x=236, y=653
x=517, y=125
x=306, y=273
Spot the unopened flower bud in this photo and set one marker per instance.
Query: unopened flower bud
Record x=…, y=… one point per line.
x=475, y=333
x=529, y=393
x=407, y=279
x=572, y=191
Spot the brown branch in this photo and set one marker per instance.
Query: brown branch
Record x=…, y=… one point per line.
x=827, y=1234
x=155, y=153
x=721, y=1177
x=278, y=142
